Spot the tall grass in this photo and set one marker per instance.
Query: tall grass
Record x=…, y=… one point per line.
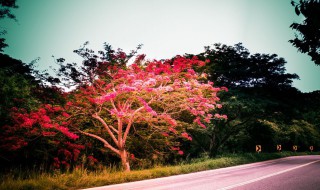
x=82, y=178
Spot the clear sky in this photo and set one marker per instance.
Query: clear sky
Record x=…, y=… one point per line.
x=165, y=27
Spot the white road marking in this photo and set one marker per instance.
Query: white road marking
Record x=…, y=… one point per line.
x=266, y=176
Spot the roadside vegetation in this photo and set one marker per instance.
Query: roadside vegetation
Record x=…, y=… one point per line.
x=82, y=178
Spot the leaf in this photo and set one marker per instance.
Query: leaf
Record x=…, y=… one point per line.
x=297, y=10
x=292, y=3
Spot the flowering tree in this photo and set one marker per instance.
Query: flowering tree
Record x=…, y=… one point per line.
x=156, y=93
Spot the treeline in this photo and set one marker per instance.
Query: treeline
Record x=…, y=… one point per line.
x=261, y=105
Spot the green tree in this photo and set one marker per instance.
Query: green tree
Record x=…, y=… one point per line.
x=308, y=38
x=259, y=88
x=5, y=12
x=235, y=67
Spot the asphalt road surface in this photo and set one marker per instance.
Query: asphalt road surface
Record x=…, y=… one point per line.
x=292, y=173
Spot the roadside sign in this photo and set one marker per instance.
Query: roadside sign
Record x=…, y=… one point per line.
x=311, y=148
x=258, y=148
x=279, y=147
x=295, y=147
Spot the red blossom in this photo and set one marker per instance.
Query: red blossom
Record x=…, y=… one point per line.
x=165, y=134
x=65, y=114
x=76, y=153
x=48, y=133
x=66, y=132
x=186, y=135
x=56, y=162
x=92, y=160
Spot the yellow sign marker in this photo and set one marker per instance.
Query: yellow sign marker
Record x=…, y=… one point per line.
x=295, y=147
x=311, y=148
x=279, y=147
x=258, y=148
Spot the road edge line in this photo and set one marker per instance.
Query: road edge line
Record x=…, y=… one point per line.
x=266, y=176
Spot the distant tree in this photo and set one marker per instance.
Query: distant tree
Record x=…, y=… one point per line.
x=5, y=12
x=22, y=92
x=242, y=109
x=308, y=38
x=235, y=67
x=76, y=75
x=259, y=88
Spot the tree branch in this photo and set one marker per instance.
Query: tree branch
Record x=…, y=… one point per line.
x=125, y=135
x=106, y=144
x=107, y=128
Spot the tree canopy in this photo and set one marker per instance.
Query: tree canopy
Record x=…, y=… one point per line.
x=5, y=12
x=235, y=67
x=307, y=39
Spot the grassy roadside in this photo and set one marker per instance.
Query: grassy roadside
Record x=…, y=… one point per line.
x=83, y=179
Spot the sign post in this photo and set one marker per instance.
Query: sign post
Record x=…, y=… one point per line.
x=311, y=148
x=279, y=148
x=258, y=148
x=295, y=148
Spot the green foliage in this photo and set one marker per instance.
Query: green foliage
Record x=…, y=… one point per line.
x=79, y=179
x=235, y=67
x=308, y=38
x=6, y=7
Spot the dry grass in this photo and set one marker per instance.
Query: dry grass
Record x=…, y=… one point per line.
x=84, y=179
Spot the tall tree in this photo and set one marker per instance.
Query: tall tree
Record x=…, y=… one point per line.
x=235, y=67
x=308, y=38
x=156, y=94
x=259, y=88
x=5, y=12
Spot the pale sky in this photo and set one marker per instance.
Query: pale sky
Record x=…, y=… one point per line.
x=165, y=28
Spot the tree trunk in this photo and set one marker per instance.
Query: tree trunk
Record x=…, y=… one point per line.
x=213, y=147
x=124, y=160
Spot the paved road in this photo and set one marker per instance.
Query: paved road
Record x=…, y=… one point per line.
x=300, y=172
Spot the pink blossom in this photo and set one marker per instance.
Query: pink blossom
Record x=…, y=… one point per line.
x=28, y=122
x=192, y=100
x=210, y=106
x=224, y=117
x=147, y=107
x=149, y=89
x=197, y=120
x=165, y=134
x=47, y=125
x=66, y=132
x=186, y=135
x=172, y=130
x=56, y=162
x=46, y=134
x=218, y=116
x=46, y=118
x=180, y=152
x=224, y=88
x=169, y=120
x=126, y=88
x=194, y=112
x=150, y=82
x=117, y=113
x=76, y=153
x=105, y=98
x=191, y=71
x=74, y=146
x=65, y=114
x=175, y=148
